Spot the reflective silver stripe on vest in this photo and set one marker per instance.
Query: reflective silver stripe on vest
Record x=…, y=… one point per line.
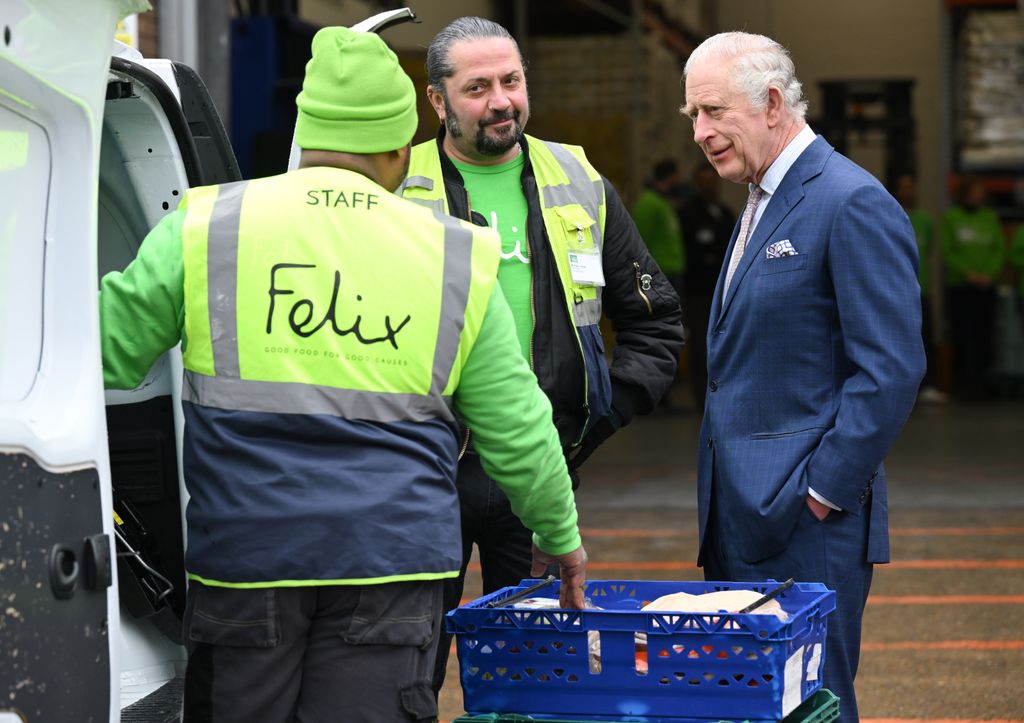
x=458, y=269
x=581, y=189
x=424, y=182
x=222, y=277
x=587, y=193
x=588, y=311
x=297, y=398
x=434, y=204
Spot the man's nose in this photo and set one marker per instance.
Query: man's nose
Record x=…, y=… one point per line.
x=701, y=129
x=499, y=100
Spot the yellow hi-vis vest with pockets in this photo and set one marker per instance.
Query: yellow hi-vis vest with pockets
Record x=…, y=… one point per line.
x=316, y=296
x=573, y=208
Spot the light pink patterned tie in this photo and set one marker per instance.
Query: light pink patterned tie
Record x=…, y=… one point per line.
x=741, y=240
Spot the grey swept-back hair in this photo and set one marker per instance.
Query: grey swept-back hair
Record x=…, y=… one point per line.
x=439, y=63
x=760, y=63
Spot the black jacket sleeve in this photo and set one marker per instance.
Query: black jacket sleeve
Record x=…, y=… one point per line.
x=645, y=315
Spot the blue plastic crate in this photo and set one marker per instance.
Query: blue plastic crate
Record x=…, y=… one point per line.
x=652, y=666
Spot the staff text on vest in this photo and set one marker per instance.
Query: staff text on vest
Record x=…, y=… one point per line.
x=332, y=197
x=301, y=314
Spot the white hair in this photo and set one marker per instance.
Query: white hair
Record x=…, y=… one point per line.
x=759, y=63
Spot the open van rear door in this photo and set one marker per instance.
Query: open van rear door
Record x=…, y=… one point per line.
x=58, y=594
x=93, y=151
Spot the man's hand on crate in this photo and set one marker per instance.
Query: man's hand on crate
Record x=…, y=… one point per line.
x=573, y=569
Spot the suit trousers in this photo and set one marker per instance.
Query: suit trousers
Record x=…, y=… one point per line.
x=504, y=543
x=832, y=552
x=358, y=653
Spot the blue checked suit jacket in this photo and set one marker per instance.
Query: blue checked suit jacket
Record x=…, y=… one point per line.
x=814, y=360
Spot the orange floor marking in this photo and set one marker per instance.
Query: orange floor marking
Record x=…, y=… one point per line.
x=648, y=532
x=690, y=565
x=953, y=531
x=940, y=720
x=895, y=532
x=954, y=565
x=944, y=645
x=946, y=600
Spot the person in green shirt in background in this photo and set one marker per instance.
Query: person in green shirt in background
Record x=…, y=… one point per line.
x=973, y=251
x=657, y=219
x=905, y=192
x=658, y=223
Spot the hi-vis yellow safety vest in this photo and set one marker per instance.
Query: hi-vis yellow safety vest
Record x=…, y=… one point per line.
x=327, y=323
x=572, y=200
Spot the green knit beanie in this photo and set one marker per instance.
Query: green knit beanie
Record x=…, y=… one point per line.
x=355, y=98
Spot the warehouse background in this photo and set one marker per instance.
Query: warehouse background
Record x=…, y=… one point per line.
x=930, y=87
x=934, y=87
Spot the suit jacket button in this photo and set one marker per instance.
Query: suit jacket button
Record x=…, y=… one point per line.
x=713, y=385
x=711, y=443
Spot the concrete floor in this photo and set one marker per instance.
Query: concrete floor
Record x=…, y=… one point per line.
x=944, y=626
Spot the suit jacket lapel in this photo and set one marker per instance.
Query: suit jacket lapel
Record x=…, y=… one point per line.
x=789, y=193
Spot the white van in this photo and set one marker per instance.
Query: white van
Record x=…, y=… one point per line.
x=94, y=150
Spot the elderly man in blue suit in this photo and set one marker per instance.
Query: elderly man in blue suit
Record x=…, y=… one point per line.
x=814, y=346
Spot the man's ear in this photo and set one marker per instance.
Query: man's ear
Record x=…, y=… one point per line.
x=437, y=101
x=774, y=107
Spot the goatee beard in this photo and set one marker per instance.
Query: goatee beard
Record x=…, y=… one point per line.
x=489, y=146
x=484, y=144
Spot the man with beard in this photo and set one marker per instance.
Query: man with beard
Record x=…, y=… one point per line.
x=569, y=251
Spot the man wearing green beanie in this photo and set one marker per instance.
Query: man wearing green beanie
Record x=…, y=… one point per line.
x=331, y=332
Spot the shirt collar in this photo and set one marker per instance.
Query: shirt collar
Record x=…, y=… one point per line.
x=781, y=165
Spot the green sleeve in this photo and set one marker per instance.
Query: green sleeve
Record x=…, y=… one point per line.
x=142, y=309
x=499, y=400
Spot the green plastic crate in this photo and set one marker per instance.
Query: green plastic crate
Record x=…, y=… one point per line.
x=821, y=707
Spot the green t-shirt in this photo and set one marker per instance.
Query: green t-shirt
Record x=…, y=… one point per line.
x=971, y=241
x=496, y=193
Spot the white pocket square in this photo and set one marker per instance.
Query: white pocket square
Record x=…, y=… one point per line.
x=779, y=249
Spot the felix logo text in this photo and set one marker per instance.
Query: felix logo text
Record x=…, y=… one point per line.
x=302, y=312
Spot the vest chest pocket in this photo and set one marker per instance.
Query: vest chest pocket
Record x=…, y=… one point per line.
x=571, y=232
x=575, y=229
